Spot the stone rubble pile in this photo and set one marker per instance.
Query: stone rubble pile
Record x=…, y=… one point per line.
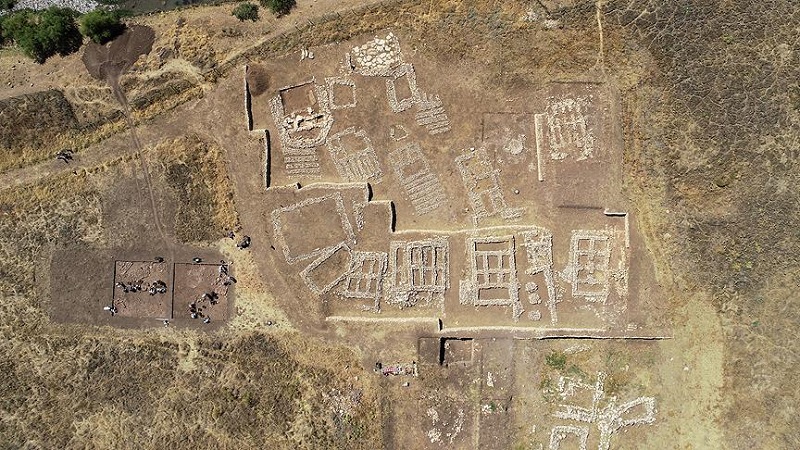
x=300, y=122
x=82, y=6
x=378, y=56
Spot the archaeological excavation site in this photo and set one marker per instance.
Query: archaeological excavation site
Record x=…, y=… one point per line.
x=401, y=224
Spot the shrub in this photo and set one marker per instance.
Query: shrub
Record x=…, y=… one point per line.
x=7, y=4
x=279, y=7
x=246, y=11
x=101, y=25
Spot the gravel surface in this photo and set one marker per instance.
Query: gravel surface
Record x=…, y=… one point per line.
x=81, y=6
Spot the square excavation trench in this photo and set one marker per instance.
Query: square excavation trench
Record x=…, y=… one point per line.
x=204, y=286
x=132, y=280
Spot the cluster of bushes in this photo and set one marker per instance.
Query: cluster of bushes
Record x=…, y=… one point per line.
x=249, y=11
x=101, y=25
x=60, y=31
x=42, y=34
x=246, y=11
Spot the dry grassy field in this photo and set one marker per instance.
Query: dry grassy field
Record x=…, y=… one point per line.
x=704, y=106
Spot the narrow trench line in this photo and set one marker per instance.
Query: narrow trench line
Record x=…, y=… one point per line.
x=123, y=100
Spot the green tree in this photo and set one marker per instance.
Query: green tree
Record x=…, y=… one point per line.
x=7, y=4
x=246, y=11
x=279, y=7
x=20, y=28
x=43, y=34
x=101, y=25
x=13, y=24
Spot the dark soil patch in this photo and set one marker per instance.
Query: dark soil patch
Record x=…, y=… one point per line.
x=258, y=80
x=109, y=61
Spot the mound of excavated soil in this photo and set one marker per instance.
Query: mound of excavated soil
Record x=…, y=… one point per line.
x=106, y=62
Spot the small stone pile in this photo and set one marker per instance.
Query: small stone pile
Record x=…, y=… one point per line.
x=378, y=56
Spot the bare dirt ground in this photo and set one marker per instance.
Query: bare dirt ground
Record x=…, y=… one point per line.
x=370, y=121
x=708, y=112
